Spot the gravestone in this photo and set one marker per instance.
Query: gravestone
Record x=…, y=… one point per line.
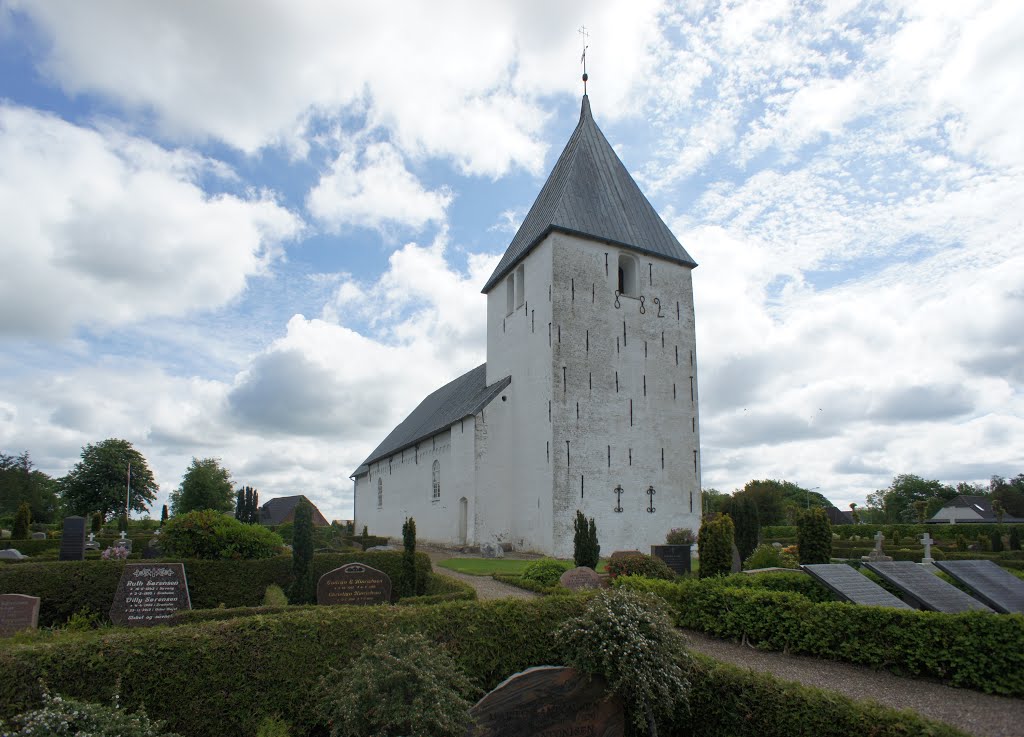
x=492, y=550
x=876, y=554
x=676, y=557
x=926, y=541
x=18, y=612
x=38, y=535
x=848, y=584
x=921, y=586
x=354, y=584
x=72, y=541
x=576, y=579
x=995, y=586
x=126, y=544
x=92, y=544
x=11, y=554
x=150, y=594
x=548, y=701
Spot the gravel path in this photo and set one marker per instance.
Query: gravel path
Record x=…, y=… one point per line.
x=975, y=713
x=486, y=587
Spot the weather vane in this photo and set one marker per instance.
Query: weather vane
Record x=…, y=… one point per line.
x=583, y=59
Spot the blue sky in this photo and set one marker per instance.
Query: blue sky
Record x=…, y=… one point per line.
x=261, y=235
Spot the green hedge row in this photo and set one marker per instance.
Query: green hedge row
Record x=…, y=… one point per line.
x=975, y=650
x=67, y=587
x=906, y=532
x=271, y=665
x=796, y=582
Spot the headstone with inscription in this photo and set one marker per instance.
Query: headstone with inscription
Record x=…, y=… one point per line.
x=354, y=584
x=150, y=593
x=38, y=535
x=18, y=612
x=877, y=555
x=676, y=557
x=577, y=579
x=72, y=541
x=549, y=701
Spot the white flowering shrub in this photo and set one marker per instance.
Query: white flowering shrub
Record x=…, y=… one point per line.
x=628, y=638
x=398, y=685
x=60, y=716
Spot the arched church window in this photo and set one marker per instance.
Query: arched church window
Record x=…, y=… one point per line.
x=520, y=285
x=437, y=481
x=627, y=275
x=380, y=493
x=510, y=295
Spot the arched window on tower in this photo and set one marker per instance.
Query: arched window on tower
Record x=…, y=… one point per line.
x=627, y=275
x=437, y=481
x=380, y=493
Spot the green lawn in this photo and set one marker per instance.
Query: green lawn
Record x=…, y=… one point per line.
x=487, y=566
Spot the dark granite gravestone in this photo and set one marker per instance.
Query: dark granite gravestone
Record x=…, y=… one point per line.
x=925, y=588
x=580, y=578
x=676, y=557
x=848, y=584
x=995, y=586
x=38, y=535
x=548, y=701
x=150, y=593
x=72, y=541
x=354, y=583
x=18, y=612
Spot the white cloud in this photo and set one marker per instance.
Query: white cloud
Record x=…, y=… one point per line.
x=379, y=191
x=103, y=228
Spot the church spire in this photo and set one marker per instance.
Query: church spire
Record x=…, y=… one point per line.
x=589, y=193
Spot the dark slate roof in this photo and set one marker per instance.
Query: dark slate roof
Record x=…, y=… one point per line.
x=979, y=504
x=279, y=510
x=465, y=396
x=590, y=193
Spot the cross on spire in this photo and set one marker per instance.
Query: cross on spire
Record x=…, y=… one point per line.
x=583, y=58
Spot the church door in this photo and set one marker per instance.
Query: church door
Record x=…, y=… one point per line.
x=463, y=519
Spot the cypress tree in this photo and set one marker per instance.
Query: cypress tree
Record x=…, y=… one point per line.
x=163, y=515
x=814, y=536
x=22, y=519
x=715, y=541
x=748, y=526
x=410, y=586
x=1014, y=538
x=586, y=550
x=997, y=541
x=97, y=522
x=241, y=513
x=302, y=591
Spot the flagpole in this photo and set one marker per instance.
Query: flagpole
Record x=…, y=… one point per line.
x=128, y=495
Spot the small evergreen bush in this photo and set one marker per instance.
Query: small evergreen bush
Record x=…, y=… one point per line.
x=399, y=685
x=546, y=571
x=586, y=549
x=274, y=596
x=22, y=519
x=97, y=522
x=814, y=536
x=303, y=588
x=640, y=565
x=1015, y=539
x=768, y=556
x=748, y=524
x=629, y=639
x=715, y=541
x=211, y=535
x=410, y=584
x=997, y=541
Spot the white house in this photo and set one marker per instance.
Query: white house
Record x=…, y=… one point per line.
x=588, y=399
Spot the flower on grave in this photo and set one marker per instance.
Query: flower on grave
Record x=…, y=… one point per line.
x=680, y=536
x=115, y=553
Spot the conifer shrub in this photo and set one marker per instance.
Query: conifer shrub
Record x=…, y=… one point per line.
x=748, y=524
x=410, y=583
x=640, y=565
x=629, y=639
x=97, y=522
x=814, y=536
x=401, y=684
x=546, y=571
x=22, y=519
x=586, y=549
x=996, y=541
x=211, y=535
x=715, y=541
x=274, y=596
x=1014, y=539
x=303, y=588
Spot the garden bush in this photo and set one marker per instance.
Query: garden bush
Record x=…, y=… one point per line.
x=64, y=716
x=715, y=541
x=181, y=674
x=640, y=565
x=814, y=537
x=546, y=571
x=976, y=650
x=768, y=556
x=680, y=536
x=210, y=535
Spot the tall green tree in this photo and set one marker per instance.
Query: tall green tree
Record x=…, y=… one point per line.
x=21, y=482
x=1009, y=493
x=748, y=526
x=205, y=485
x=98, y=482
x=896, y=503
x=303, y=589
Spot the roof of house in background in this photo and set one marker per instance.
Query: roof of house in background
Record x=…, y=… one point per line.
x=463, y=397
x=980, y=505
x=838, y=516
x=590, y=193
x=282, y=509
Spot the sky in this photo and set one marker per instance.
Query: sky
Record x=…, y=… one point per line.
x=259, y=231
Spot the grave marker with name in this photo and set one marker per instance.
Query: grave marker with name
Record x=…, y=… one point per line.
x=150, y=594
x=354, y=584
x=548, y=701
x=676, y=557
x=72, y=541
x=18, y=612
x=577, y=579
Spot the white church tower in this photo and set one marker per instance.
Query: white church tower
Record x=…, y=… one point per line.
x=588, y=399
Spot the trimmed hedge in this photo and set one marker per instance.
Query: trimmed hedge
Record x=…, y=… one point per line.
x=68, y=587
x=943, y=532
x=796, y=582
x=975, y=650
x=182, y=674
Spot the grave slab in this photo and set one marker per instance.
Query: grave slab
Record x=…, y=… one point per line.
x=925, y=588
x=354, y=584
x=150, y=594
x=849, y=585
x=18, y=612
x=577, y=579
x=995, y=586
x=548, y=701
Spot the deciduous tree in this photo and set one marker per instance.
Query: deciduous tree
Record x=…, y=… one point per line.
x=99, y=482
x=205, y=485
